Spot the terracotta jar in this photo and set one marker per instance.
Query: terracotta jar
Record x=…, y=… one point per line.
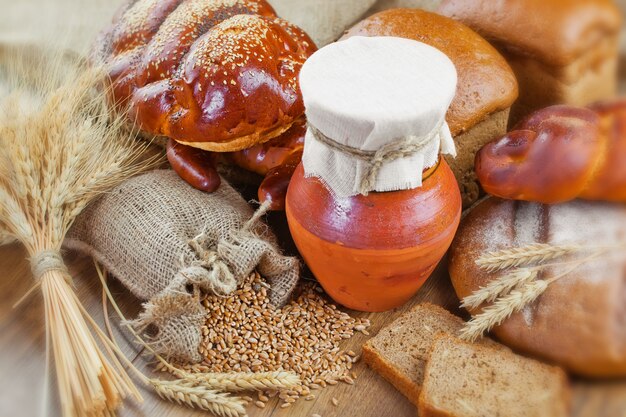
x=372, y=248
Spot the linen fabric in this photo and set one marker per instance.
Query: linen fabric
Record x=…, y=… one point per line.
x=366, y=92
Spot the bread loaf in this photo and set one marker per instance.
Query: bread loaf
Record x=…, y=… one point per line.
x=217, y=75
x=578, y=322
x=486, y=86
x=558, y=154
x=562, y=51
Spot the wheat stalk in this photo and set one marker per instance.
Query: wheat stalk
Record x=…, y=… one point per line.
x=502, y=309
x=499, y=287
x=523, y=289
x=56, y=155
x=525, y=255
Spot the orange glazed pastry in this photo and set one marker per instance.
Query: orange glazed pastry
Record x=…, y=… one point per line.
x=373, y=208
x=217, y=75
x=559, y=154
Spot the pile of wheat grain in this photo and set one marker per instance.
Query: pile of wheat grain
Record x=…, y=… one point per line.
x=243, y=332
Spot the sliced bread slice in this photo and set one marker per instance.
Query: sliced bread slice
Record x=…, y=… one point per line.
x=468, y=380
x=399, y=351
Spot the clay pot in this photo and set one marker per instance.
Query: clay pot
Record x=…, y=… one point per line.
x=372, y=253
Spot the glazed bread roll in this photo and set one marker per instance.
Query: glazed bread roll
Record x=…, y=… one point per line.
x=562, y=51
x=219, y=75
x=212, y=75
x=486, y=86
x=558, y=154
x=276, y=160
x=579, y=322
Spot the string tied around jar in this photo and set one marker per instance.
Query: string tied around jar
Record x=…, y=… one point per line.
x=391, y=151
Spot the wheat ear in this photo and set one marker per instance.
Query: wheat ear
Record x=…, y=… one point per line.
x=499, y=287
x=244, y=381
x=526, y=255
x=58, y=152
x=185, y=393
x=502, y=309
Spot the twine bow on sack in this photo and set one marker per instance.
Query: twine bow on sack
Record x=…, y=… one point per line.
x=209, y=270
x=392, y=151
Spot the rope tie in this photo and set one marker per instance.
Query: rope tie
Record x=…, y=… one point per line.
x=209, y=269
x=47, y=261
x=392, y=151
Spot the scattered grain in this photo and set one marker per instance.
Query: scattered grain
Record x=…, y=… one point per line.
x=244, y=332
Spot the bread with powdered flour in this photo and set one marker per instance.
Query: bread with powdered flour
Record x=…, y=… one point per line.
x=579, y=322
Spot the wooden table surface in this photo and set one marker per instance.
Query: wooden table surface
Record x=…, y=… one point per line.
x=22, y=356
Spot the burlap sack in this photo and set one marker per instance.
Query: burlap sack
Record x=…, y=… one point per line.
x=430, y=5
x=167, y=242
x=323, y=20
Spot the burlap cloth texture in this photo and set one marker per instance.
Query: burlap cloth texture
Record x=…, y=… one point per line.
x=167, y=243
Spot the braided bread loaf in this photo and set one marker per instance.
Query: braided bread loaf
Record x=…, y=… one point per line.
x=217, y=75
x=558, y=154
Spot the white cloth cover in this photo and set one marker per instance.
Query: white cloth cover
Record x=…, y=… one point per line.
x=365, y=92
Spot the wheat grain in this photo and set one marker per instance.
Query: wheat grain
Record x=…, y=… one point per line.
x=502, y=309
x=526, y=255
x=499, y=287
x=244, y=333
